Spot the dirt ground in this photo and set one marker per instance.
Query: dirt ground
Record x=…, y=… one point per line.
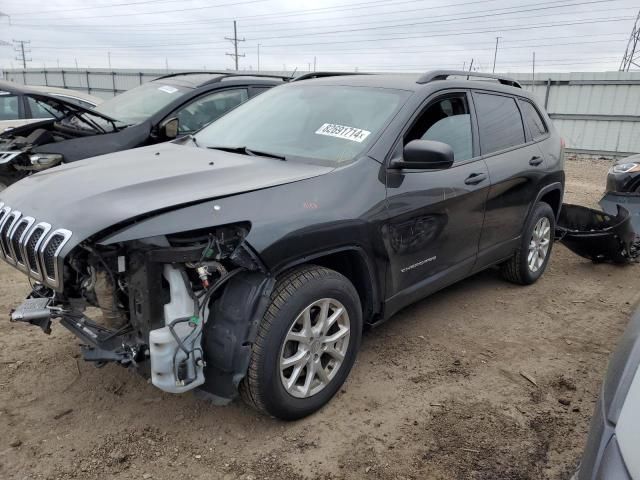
x=437, y=392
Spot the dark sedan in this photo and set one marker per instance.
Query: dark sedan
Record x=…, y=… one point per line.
x=157, y=111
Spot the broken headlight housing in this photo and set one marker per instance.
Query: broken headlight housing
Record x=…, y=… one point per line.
x=42, y=161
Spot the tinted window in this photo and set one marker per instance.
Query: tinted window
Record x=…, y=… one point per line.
x=9, y=107
x=499, y=122
x=534, y=121
x=206, y=109
x=448, y=121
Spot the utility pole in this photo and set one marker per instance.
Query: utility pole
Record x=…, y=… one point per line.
x=235, y=41
x=314, y=63
x=495, y=55
x=471, y=65
x=76, y=60
x=533, y=72
x=109, y=57
x=632, y=53
x=258, y=57
x=19, y=48
x=166, y=64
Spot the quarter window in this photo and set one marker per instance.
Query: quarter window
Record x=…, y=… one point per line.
x=534, y=121
x=9, y=107
x=206, y=109
x=499, y=122
x=448, y=121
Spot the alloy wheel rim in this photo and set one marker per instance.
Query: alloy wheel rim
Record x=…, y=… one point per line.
x=314, y=348
x=539, y=244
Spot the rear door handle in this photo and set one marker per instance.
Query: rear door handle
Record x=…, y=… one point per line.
x=475, y=178
x=535, y=161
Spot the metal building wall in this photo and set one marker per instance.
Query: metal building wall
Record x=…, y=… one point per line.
x=596, y=113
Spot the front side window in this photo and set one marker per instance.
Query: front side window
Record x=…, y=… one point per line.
x=208, y=108
x=534, y=121
x=9, y=107
x=329, y=123
x=499, y=122
x=448, y=120
x=138, y=104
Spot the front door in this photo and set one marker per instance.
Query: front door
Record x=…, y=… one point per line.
x=435, y=216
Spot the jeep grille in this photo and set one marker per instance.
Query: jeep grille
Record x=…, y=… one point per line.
x=32, y=246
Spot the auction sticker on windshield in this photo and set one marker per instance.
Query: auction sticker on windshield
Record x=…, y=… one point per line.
x=341, y=131
x=168, y=89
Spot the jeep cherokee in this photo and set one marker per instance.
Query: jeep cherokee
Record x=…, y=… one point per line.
x=250, y=256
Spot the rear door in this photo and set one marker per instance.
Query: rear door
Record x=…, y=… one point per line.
x=516, y=166
x=435, y=216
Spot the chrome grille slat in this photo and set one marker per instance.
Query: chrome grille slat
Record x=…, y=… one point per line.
x=17, y=241
x=6, y=230
x=49, y=252
x=32, y=247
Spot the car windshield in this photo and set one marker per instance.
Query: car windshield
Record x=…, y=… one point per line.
x=138, y=104
x=329, y=123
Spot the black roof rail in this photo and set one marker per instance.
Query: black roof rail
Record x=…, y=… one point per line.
x=444, y=74
x=307, y=76
x=177, y=74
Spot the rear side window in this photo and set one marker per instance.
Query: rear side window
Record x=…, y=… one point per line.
x=9, y=107
x=499, y=122
x=209, y=108
x=534, y=121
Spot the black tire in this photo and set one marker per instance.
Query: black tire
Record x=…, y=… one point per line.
x=517, y=269
x=262, y=388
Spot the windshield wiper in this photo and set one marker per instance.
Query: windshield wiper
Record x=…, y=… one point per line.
x=248, y=151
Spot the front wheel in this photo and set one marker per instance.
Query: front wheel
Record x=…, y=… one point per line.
x=530, y=260
x=306, y=344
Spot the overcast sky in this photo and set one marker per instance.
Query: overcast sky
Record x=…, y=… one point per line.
x=374, y=35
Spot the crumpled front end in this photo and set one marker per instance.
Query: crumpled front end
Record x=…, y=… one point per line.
x=157, y=304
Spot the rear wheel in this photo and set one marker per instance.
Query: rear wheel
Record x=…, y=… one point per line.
x=306, y=344
x=530, y=259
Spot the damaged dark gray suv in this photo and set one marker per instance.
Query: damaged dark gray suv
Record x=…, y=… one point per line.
x=250, y=256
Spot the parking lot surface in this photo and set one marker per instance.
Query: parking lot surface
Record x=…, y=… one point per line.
x=484, y=380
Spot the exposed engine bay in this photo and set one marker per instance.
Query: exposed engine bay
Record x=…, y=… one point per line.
x=151, y=304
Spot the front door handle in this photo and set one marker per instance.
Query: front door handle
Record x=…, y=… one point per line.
x=475, y=178
x=535, y=161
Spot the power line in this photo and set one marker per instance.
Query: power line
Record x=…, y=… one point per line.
x=235, y=41
x=92, y=7
x=294, y=13
x=632, y=53
x=158, y=12
x=420, y=23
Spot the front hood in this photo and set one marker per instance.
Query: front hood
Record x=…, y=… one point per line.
x=91, y=195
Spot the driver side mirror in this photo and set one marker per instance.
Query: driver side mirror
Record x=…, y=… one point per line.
x=425, y=155
x=169, y=128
